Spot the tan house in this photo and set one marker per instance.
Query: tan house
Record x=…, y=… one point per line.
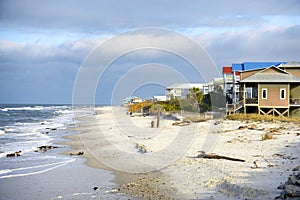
x=272, y=90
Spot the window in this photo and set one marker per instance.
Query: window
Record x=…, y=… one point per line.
x=282, y=93
x=249, y=92
x=264, y=93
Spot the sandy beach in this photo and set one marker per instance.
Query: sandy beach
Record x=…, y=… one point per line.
x=163, y=163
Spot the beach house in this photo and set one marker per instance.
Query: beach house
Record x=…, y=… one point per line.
x=132, y=100
x=180, y=90
x=271, y=90
x=231, y=76
x=158, y=98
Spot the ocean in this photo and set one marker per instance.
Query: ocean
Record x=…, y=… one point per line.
x=25, y=128
x=39, y=174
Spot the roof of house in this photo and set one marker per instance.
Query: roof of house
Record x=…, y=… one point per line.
x=185, y=85
x=272, y=78
x=280, y=77
x=253, y=65
x=127, y=99
x=227, y=70
x=290, y=64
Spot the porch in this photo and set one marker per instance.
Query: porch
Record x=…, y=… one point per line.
x=295, y=102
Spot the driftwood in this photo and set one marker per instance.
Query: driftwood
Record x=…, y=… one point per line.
x=78, y=154
x=215, y=156
x=46, y=148
x=182, y=123
x=251, y=127
x=17, y=153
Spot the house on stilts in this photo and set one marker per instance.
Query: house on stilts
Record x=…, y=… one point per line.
x=273, y=90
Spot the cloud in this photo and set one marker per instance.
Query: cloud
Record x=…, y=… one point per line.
x=33, y=73
x=27, y=69
x=68, y=51
x=103, y=16
x=43, y=43
x=265, y=44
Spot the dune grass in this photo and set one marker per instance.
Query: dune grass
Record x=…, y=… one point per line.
x=257, y=117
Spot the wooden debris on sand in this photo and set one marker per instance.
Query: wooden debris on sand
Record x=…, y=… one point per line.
x=182, y=123
x=215, y=156
x=77, y=154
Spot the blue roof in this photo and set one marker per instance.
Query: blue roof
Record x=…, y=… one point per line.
x=253, y=65
x=237, y=67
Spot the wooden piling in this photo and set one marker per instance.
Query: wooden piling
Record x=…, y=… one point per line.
x=158, y=116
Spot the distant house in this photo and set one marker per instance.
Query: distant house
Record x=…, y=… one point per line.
x=159, y=98
x=230, y=80
x=217, y=85
x=271, y=90
x=132, y=100
x=181, y=90
x=227, y=77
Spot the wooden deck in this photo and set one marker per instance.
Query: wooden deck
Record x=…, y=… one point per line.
x=275, y=110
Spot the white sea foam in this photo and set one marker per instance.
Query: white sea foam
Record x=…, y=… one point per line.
x=26, y=171
x=35, y=108
x=23, y=146
x=3, y=154
x=63, y=111
x=9, y=129
x=5, y=171
x=24, y=108
x=26, y=136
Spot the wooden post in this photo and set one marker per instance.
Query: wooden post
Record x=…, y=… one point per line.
x=158, y=116
x=244, y=98
x=152, y=124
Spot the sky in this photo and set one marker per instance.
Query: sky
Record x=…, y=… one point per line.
x=45, y=45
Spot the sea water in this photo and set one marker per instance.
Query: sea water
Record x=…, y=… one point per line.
x=24, y=128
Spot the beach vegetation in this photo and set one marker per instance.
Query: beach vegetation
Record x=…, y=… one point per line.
x=171, y=105
x=194, y=102
x=264, y=118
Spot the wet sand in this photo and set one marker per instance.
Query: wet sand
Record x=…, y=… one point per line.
x=72, y=181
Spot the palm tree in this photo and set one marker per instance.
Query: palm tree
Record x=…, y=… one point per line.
x=195, y=96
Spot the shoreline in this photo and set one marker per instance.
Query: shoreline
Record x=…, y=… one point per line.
x=52, y=174
x=195, y=178
x=74, y=180
x=150, y=185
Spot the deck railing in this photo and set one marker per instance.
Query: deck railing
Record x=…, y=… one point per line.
x=232, y=108
x=294, y=101
x=251, y=101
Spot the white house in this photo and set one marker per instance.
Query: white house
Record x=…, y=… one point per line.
x=132, y=100
x=180, y=90
x=159, y=98
x=214, y=86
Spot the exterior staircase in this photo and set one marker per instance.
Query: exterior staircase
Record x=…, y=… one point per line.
x=233, y=108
